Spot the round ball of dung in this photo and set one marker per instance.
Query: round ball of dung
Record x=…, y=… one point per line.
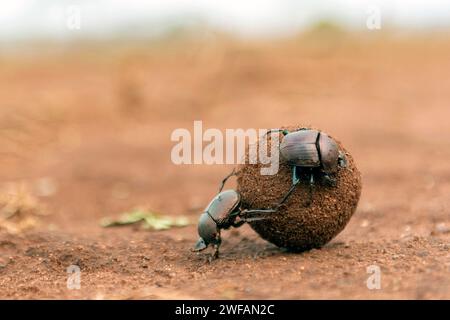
x=307, y=219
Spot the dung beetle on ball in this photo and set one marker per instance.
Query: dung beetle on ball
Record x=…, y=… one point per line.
x=312, y=150
x=225, y=211
x=304, y=148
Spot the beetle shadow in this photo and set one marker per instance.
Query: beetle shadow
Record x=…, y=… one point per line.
x=255, y=247
x=246, y=247
x=249, y=248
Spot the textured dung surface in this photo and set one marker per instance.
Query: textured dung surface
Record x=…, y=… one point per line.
x=298, y=226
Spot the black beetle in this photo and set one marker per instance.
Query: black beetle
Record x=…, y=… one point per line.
x=313, y=150
x=224, y=211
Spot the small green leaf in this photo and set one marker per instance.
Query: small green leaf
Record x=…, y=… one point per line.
x=149, y=220
x=181, y=222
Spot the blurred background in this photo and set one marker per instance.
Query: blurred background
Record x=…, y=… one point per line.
x=104, y=20
x=90, y=92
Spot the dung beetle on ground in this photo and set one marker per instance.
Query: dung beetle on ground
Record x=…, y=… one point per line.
x=224, y=211
x=312, y=150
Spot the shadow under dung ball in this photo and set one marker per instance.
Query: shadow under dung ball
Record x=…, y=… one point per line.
x=300, y=225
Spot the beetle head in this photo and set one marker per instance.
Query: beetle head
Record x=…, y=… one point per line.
x=200, y=245
x=208, y=232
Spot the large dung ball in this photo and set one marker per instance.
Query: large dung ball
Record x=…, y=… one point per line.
x=297, y=225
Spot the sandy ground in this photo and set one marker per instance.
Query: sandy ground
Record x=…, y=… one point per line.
x=86, y=134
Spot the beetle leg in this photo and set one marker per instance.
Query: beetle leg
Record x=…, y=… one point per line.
x=286, y=196
x=329, y=180
x=246, y=212
x=283, y=131
x=252, y=219
x=311, y=187
x=342, y=160
x=238, y=222
x=295, y=182
x=295, y=179
x=226, y=179
x=257, y=214
x=216, y=252
x=217, y=246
